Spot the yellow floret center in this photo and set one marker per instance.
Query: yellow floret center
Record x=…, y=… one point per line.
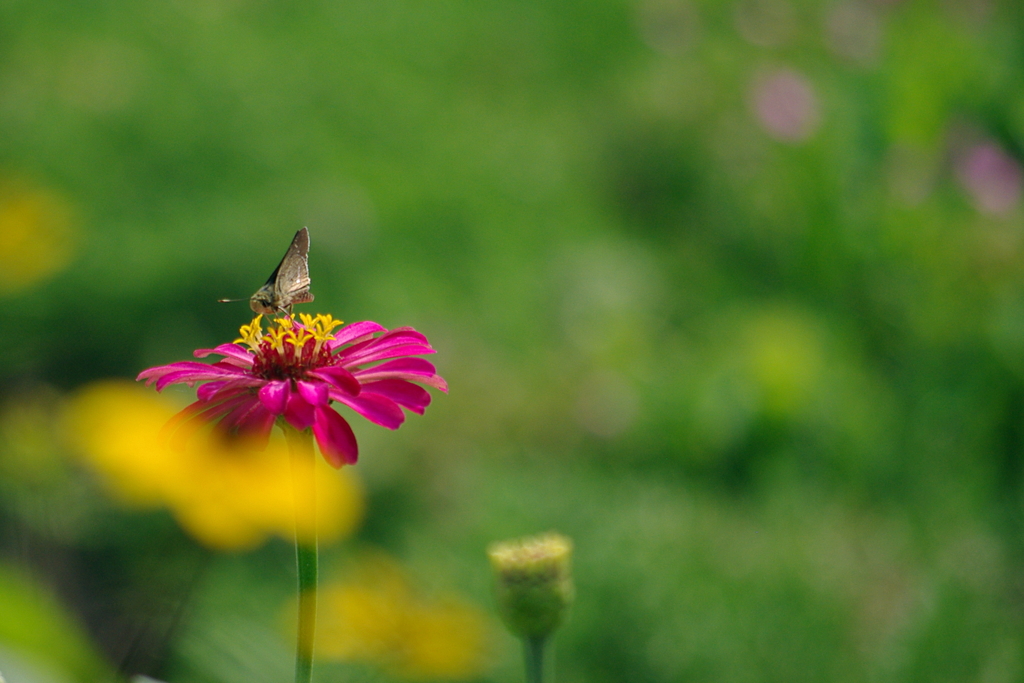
x=284, y=332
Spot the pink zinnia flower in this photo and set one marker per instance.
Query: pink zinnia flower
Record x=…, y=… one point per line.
x=295, y=371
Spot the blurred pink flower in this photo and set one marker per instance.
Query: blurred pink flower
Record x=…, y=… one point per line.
x=295, y=371
x=785, y=105
x=853, y=30
x=992, y=177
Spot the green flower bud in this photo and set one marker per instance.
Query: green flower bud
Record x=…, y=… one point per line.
x=534, y=583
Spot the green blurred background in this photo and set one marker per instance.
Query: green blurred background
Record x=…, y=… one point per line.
x=732, y=293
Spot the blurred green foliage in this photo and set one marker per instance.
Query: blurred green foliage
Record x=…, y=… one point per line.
x=731, y=293
x=42, y=634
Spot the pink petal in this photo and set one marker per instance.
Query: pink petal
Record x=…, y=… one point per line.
x=193, y=416
x=399, y=335
x=392, y=338
x=350, y=333
x=241, y=415
x=156, y=371
x=223, y=389
x=162, y=370
x=411, y=332
x=436, y=381
x=405, y=394
x=206, y=392
x=404, y=366
x=235, y=354
x=274, y=395
x=335, y=438
x=375, y=354
x=374, y=407
x=315, y=393
x=357, y=347
x=258, y=424
x=300, y=413
x=188, y=372
x=182, y=417
x=409, y=369
x=339, y=377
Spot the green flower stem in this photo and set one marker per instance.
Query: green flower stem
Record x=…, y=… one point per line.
x=533, y=651
x=300, y=445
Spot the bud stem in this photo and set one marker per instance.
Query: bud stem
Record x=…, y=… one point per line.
x=300, y=446
x=533, y=651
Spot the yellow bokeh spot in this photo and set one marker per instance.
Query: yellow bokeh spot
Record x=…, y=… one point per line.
x=443, y=640
x=225, y=494
x=375, y=617
x=36, y=236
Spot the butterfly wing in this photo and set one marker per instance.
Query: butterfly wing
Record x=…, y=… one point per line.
x=291, y=283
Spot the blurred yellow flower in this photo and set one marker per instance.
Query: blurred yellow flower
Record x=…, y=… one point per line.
x=224, y=494
x=374, y=617
x=36, y=236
